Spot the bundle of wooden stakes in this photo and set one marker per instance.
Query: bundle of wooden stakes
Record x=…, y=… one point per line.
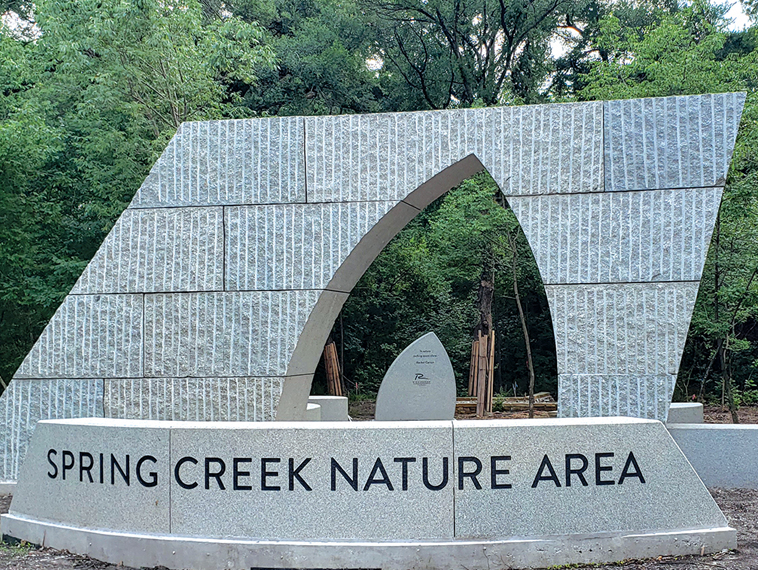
x=332, y=365
x=482, y=372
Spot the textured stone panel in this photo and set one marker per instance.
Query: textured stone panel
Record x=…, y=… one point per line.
x=671, y=496
x=207, y=335
x=188, y=399
x=111, y=504
x=634, y=329
x=672, y=142
x=657, y=235
x=639, y=396
x=90, y=336
x=294, y=246
x=528, y=150
x=25, y=402
x=376, y=512
x=252, y=161
x=167, y=249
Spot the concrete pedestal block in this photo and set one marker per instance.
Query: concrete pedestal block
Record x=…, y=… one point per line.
x=312, y=412
x=203, y=495
x=685, y=413
x=333, y=408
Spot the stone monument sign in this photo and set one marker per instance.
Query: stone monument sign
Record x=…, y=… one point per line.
x=419, y=385
x=213, y=294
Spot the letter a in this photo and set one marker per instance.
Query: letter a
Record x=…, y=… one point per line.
x=540, y=477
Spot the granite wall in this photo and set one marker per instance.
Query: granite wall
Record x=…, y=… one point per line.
x=213, y=294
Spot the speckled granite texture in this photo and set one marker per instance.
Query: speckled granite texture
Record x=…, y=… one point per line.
x=224, y=275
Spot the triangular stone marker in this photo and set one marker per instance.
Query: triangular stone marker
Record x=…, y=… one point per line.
x=420, y=384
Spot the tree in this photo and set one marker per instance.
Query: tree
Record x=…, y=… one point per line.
x=443, y=53
x=86, y=108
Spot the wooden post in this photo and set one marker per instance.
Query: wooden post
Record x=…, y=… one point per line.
x=482, y=366
x=490, y=372
x=472, y=368
x=332, y=366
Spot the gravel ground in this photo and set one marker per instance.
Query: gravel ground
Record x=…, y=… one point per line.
x=739, y=505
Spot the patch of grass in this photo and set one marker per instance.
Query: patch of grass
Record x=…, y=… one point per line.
x=13, y=548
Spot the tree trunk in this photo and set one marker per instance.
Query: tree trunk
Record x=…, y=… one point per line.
x=524, y=328
x=484, y=296
x=726, y=382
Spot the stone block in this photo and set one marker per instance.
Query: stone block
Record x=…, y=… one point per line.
x=333, y=408
x=612, y=457
x=133, y=493
x=298, y=246
x=618, y=237
x=528, y=150
x=312, y=412
x=89, y=336
x=639, y=396
x=252, y=161
x=685, y=413
x=159, y=250
x=722, y=454
x=419, y=384
x=192, y=399
x=633, y=329
x=25, y=402
x=207, y=335
x=370, y=511
x=671, y=142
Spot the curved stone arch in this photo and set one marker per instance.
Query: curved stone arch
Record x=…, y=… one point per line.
x=305, y=357
x=193, y=306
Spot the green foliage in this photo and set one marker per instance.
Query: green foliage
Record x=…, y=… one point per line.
x=426, y=279
x=85, y=110
x=443, y=53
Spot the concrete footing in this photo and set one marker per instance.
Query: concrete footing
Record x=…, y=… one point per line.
x=146, y=550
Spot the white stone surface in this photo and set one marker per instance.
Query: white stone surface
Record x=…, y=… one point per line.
x=228, y=265
x=620, y=237
x=724, y=455
x=634, y=395
x=296, y=246
x=671, y=142
x=333, y=408
x=251, y=524
x=192, y=399
x=312, y=412
x=231, y=334
x=554, y=507
x=528, y=150
x=373, y=513
x=621, y=328
x=80, y=499
x=252, y=161
x=159, y=250
x=148, y=551
x=25, y=402
x=90, y=336
x=419, y=384
x=685, y=413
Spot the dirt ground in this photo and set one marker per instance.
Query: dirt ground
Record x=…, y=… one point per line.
x=739, y=505
x=364, y=410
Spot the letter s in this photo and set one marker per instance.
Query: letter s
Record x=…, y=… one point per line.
x=54, y=474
